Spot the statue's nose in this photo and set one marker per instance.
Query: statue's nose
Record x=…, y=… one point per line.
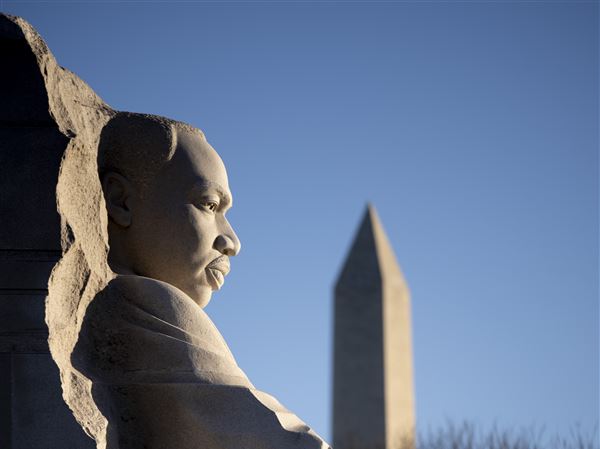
x=227, y=242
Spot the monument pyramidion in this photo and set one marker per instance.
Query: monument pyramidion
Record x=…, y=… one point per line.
x=373, y=399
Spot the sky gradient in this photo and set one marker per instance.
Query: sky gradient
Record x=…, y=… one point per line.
x=471, y=126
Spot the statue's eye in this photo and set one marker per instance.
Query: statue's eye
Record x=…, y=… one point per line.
x=211, y=205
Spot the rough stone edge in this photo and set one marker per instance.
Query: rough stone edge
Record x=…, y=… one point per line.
x=79, y=114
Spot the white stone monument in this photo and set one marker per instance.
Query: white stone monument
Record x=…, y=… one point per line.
x=142, y=242
x=373, y=400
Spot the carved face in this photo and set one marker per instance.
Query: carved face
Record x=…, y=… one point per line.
x=178, y=231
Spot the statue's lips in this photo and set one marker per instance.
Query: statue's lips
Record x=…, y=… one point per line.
x=216, y=272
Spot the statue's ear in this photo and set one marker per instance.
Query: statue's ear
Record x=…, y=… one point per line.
x=117, y=195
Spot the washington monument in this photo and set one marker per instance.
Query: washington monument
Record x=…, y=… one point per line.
x=373, y=400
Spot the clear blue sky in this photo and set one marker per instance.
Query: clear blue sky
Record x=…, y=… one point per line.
x=472, y=127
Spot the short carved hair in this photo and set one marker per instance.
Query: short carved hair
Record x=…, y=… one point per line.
x=137, y=145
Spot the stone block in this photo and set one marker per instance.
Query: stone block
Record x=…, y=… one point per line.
x=40, y=418
x=5, y=401
x=22, y=88
x=22, y=312
x=21, y=270
x=30, y=160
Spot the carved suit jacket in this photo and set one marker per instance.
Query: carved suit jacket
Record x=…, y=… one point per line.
x=164, y=378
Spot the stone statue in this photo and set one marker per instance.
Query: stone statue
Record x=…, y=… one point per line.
x=142, y=202
x=161, y=374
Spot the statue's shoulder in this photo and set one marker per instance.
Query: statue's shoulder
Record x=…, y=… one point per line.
x=133, y=286
x=158, y=306
x=152, y=297
x=138, y=330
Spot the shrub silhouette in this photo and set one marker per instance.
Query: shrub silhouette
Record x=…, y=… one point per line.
x=469, y=436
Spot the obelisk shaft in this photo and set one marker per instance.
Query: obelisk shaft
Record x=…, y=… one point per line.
x=373, y=404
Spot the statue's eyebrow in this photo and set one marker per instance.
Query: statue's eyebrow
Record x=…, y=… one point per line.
x=203, y=186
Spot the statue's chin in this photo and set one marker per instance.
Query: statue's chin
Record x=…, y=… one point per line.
x=201, y=295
